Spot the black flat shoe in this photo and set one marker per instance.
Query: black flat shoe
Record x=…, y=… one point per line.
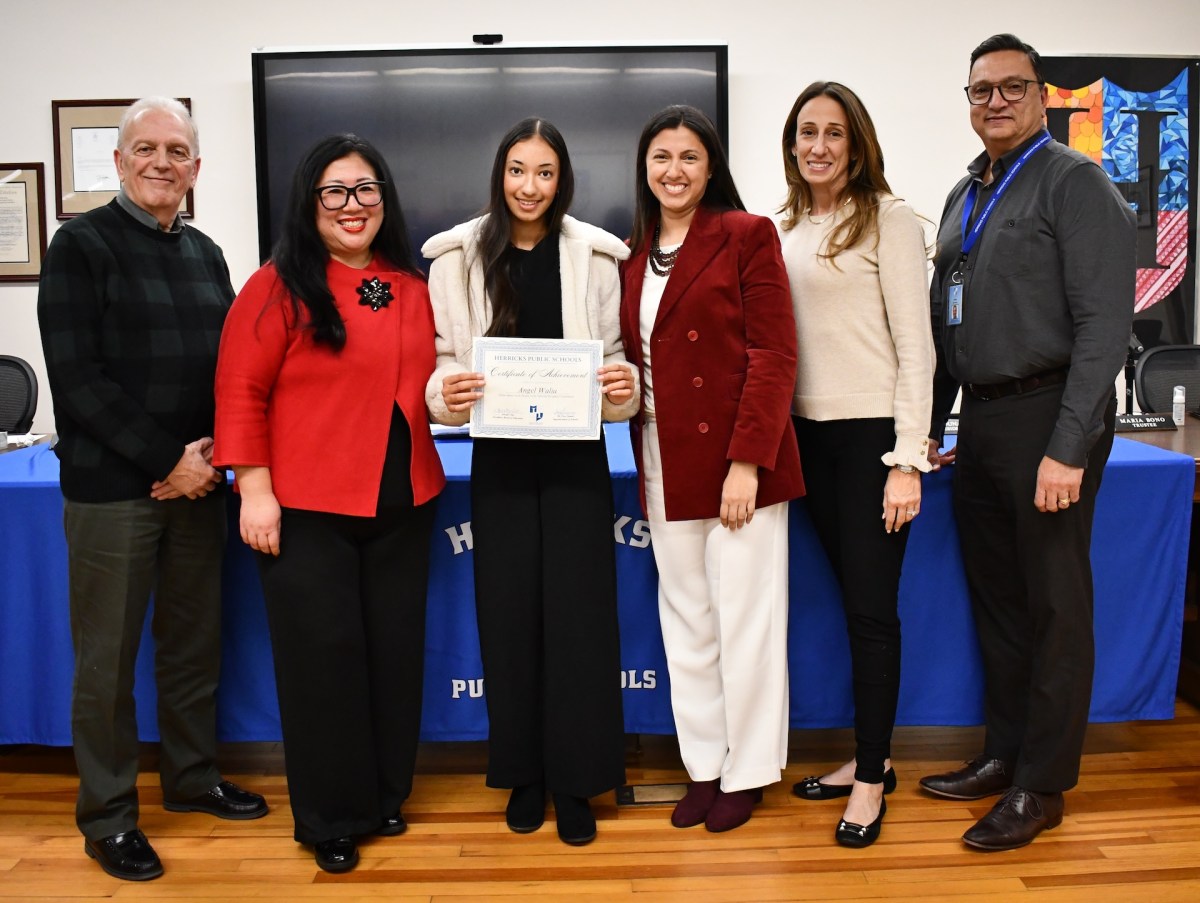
x=337, y=855
x=392, y=825
x=576, y=823
x=849, y=834
x=526, y=808
x=811, y=788
x=128, y=856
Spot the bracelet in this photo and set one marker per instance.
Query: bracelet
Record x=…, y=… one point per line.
x=906, y=468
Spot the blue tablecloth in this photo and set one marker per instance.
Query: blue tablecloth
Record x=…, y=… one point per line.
x=1139, y=556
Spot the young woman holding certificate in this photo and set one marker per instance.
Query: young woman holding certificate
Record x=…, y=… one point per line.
x=541, y=510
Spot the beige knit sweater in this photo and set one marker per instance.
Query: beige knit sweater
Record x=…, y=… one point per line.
x=865, y=345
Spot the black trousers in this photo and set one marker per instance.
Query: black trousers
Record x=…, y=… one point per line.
x=1030, y=577
x=844, y=479
x=546, y=600
x=117, y=554
x=346, y=610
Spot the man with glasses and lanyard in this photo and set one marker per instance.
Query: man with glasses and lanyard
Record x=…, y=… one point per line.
x=1032, y=299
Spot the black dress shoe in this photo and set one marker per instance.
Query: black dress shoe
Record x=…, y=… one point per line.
x=226, y=800
x=392, y=825
x=526, y=808
x=978, y=778
x=576, y=824
x=811, y=788
x=337, y=855
x=848, y=834
x=127, y=856
x=1016, y=819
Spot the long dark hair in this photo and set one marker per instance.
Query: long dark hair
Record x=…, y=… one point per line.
x=865, y=179
x=720, y=194
x=496, y=235
x=300, y=255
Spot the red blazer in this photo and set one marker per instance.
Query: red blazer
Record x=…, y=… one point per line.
x=320, y=418
x=723, y=354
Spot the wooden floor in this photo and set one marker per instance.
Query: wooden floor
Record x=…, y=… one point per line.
x=1132, y=832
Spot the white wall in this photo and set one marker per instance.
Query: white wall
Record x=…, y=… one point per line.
x=907, y=60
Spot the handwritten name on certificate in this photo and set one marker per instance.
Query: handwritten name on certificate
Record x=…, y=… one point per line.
x=537, y=388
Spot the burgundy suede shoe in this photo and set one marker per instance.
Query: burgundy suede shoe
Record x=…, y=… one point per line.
x=732, y=809
x=693, y=808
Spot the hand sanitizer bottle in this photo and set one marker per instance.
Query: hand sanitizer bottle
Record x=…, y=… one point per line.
x=1178, y=404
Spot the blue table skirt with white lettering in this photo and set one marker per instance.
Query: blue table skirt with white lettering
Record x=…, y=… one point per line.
x=1139, y=557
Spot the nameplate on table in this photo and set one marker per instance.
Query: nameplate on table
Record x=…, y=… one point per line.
x=1131, y=423
x=537, y=388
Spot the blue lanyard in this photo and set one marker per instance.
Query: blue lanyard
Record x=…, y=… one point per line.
x=969, y=238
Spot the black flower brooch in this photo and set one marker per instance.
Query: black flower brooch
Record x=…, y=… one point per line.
x=375, y=293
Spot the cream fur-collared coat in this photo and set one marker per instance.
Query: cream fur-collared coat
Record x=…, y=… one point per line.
x=591, y=301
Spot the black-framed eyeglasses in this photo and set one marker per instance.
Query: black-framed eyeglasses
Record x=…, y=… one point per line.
x=1011, y=89
x=335, y=197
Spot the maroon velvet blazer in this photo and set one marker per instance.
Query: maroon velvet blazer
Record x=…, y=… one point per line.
x=723, y=355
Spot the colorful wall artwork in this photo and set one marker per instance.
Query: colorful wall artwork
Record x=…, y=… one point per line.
x=1137, y=118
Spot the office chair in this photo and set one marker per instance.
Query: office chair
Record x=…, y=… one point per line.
x=18, y=395
x=1160, y=370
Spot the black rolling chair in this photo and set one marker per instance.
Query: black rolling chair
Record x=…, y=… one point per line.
x=1160, y=370
x=18, y=395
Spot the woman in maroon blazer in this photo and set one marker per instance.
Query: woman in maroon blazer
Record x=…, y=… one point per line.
x=706, y=315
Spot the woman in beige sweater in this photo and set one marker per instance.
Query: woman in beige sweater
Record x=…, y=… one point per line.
x=856, y=263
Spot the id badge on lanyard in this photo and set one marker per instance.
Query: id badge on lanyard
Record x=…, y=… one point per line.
x=954, y=287
x=954, y=299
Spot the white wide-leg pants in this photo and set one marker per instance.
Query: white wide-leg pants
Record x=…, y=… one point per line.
x=723, y=605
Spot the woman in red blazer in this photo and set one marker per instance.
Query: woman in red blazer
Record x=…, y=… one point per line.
x=706, y=315
x=321, y=414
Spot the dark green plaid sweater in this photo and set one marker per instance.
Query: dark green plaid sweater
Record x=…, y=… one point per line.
x=131, y=319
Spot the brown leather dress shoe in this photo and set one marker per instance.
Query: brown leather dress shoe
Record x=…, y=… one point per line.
x=1018, y=817
x=693, y=808
x=978, y=778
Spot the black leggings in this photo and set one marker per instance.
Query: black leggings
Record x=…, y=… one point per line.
x=845, y=478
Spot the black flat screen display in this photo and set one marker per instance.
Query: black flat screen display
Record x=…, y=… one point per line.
x=438, y=115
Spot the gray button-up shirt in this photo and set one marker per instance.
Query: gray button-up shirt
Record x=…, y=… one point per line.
x=1049, y=284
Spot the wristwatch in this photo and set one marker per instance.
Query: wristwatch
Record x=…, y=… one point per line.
x=905, y=468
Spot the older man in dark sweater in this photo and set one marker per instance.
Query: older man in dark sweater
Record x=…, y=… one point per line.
x=130, y=307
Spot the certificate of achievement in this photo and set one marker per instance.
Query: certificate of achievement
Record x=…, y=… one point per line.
x=537, y=388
